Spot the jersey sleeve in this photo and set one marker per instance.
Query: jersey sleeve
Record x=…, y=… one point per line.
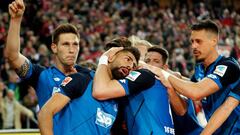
x=74, y=85
x=138, y=81
x=32, y=74
x=225, y=73
x=236, y=92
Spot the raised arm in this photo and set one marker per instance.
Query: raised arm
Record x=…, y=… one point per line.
x=104, y=86
x=45, y=116
x=15, y=58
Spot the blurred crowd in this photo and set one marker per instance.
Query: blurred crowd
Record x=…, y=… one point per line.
x=100, y=21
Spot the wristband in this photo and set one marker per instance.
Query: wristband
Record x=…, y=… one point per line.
x=165, y=74
x=103, y=60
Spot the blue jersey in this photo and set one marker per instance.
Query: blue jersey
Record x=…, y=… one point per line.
x=148, y=112
x=225, y=73
x=46, y=80
x=236, y=92
x=85, y=115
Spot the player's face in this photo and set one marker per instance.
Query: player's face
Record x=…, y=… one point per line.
x=202, y=44
x=122, y=64
x=67, y=49
x=154, y=59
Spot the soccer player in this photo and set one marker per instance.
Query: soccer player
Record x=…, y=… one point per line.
x=147, y=112
x=80, y=112
x=65, y=46
x=212, y=81
x=223, y=112
x=153, y=103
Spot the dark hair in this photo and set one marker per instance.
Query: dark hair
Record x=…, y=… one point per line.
x=161, y=51
x=132, y=50
x=64, y=28
x=207, y=25
x=88, y=64
x=118, y=42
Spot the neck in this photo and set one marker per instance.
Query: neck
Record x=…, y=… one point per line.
x=66, y=69
x=210, y=59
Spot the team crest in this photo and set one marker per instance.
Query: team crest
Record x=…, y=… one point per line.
x=220, y=70
x=66, y=81
x=133, y=75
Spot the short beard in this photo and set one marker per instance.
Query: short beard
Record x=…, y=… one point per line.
x=199, y=60
x=116, y=74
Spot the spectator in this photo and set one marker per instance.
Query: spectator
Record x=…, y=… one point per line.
x=12, y=110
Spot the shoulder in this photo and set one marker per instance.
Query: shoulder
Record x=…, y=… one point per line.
x=227, y=64
x=140, y=73
x=229, y=61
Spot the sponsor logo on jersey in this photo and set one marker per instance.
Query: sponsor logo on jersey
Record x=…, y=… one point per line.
x=55, y=90
x=133, y=75
x=212, y=76
x=56, y=79
x=104, y=119
x=66, y=81
x=220, y=70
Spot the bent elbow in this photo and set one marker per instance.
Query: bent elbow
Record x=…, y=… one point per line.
x=10, y=55
x=182, y=112
x=196, y=96
x=98, y=94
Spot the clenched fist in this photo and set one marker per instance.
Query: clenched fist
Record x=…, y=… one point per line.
x=16, y=9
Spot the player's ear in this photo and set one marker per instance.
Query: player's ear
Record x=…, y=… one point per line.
x=54, y=48
x=112, y=58
x=165, y=66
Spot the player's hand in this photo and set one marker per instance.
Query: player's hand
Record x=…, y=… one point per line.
x=16, y=9
x=111, y=52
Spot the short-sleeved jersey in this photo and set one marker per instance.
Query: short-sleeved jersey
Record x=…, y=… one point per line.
x=236, y=92
x=46, y=80
x=148, y=112
x=85, y=115
x=225, y=73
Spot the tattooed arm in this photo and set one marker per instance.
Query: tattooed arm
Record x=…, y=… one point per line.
x=15, y=58
x=23, y=69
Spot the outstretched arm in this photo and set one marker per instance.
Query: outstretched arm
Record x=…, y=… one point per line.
x=15, y=58
x=45, y=116
x=195, y=91
x=220, y=115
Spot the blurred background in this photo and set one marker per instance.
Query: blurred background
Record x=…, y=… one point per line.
x=163, y=23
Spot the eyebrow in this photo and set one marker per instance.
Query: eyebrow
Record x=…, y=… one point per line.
x=134, y=64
